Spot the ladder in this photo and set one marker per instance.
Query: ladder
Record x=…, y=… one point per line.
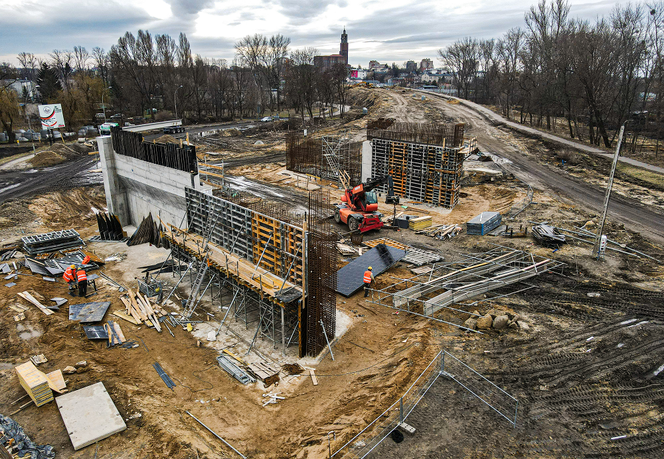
x=194, y=297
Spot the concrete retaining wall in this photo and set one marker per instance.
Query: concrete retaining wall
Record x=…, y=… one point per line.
x=135, y=188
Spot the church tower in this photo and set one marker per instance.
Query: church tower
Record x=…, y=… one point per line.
x=343, y=48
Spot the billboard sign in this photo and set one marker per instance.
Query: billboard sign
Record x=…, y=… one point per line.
x=353, y=74
x=51, y=116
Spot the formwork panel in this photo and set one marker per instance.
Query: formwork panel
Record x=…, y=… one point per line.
x=424, y=173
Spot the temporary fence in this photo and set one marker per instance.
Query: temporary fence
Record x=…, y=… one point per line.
x=495, y=397
x=443, y=364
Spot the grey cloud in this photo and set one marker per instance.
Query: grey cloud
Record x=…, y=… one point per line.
x=189, y=6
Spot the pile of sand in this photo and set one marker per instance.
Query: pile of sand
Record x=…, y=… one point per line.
x=166, y=139
x=46, y=159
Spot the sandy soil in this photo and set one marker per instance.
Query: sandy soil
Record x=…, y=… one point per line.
x=577, y=385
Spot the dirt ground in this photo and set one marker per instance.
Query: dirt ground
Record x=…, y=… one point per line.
x=583, y=367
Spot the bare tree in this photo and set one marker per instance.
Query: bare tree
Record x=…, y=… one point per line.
x=29, y=65
x=462, y=59
x=101, y=61
x=81, y=58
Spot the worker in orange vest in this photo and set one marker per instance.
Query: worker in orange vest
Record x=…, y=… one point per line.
x=86, y=260
x=368, y=279
x=82, y=282
x=70, y=278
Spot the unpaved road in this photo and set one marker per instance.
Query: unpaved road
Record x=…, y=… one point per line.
x=70, y=174
x=493, y=139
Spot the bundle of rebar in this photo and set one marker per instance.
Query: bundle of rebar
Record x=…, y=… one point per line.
x=110, y=228
x=428, y=133
x=148, y=232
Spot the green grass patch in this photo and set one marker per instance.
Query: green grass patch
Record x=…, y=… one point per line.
x=645, y=177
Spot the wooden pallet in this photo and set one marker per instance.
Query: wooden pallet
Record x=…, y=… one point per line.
x=387, y=241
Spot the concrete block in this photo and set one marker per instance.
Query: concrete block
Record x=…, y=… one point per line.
x=89, y=415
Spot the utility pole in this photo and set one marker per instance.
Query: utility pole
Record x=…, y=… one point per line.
x=607, y=197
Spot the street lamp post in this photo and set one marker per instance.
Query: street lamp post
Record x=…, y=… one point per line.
x=103, y=107
x=175, y=99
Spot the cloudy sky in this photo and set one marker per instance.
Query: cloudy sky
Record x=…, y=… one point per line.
x=385, y=30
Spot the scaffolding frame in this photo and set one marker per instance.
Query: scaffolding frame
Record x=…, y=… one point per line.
x=449, y=284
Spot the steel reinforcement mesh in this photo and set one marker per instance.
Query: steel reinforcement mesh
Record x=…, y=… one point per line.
x=321, y=275
x=427, y=133
x=305, y=155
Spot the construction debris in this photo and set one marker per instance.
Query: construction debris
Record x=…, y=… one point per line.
x=38, y=359
x=28, y=297
x=441, y=232
x=548, y=236
x=18, y=444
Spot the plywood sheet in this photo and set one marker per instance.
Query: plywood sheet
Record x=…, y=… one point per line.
x=89, y=415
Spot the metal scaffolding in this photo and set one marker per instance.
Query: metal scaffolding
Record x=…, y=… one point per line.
x=447, y=285
x=259, y=256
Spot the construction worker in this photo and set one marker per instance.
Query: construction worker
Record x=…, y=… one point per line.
x=368, y=279
x=82, y=282
x=70, y=278
x=86, y=260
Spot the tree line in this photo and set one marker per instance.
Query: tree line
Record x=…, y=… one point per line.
x=144, y=72
x=594, y=75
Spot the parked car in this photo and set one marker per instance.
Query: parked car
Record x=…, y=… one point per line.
x=266, y=119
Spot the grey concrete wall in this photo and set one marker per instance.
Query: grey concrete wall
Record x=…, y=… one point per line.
x=135, y=188
x=366, y=160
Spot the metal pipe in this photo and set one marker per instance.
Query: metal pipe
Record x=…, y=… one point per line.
x=326, y=339
x=178, y=283
x=215, y=434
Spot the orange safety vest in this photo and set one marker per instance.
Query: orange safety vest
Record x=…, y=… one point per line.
x=367, y=277
x=86, y=260
x=68, y=276
x=81, y=275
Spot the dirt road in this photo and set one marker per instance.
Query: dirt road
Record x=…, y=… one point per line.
x=492, y=139
x=19, y=184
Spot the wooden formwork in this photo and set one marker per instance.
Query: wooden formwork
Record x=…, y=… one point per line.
x=425, y=173
x=266, y=241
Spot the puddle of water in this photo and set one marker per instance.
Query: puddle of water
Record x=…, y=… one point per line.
x=27, y=331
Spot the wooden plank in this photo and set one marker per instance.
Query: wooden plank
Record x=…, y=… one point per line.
x=124, y=316
x=26, y=296
x=118, y=331
x=313, y=377
x=56, y=381
x=131, y=312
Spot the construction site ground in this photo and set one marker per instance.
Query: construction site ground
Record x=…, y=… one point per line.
x=583, y=367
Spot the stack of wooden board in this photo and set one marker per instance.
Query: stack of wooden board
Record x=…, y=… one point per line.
x=419, y=223
x=387, y=241
x=35, y=383
x=140, y=309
